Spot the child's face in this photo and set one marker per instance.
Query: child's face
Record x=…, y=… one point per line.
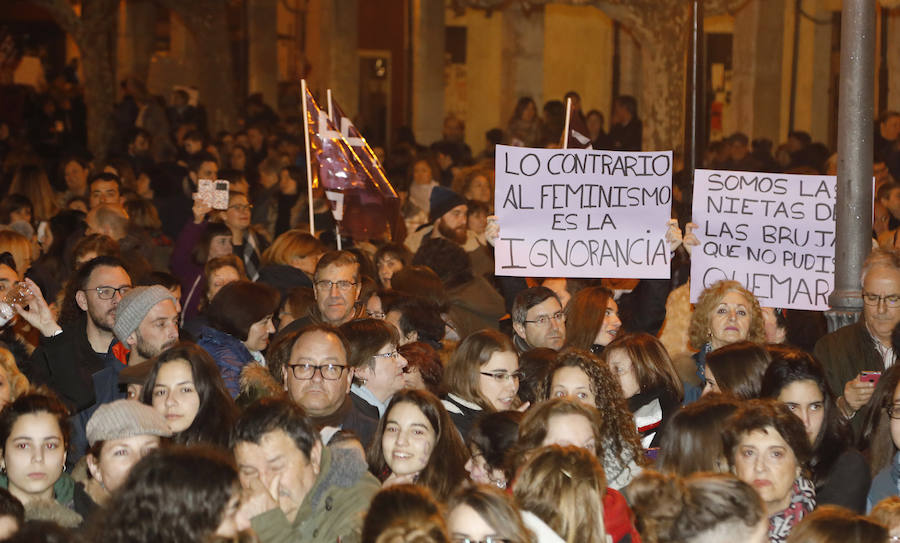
x=477, y=221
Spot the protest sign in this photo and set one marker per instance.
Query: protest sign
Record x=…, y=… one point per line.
x=773, y=233
x=582, y=213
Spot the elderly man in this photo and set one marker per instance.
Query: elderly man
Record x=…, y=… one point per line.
x=317, y=377
x=538, y=320
x=865, y=345
x=298, y=490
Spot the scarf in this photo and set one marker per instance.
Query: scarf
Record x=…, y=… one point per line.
x=251, y=256
x=803, y=501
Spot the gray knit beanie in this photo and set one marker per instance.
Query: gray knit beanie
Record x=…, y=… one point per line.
x=125, y=418
x=135, y=305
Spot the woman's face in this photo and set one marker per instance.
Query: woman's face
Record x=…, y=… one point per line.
x=220, y=246
x=572, y=383
x=408, y=439
x=234, y=521
x=477, y=222
x=117, y=457
x=895, y=423
x=238, y=159
x=764, y=460
x=413, y=378
x=611, y=324
x=570, y=429
x=499, y=387
x=529, y=112
x=774, y=333
x=258, y=335
x=385, y=377
x=481, y=472
x=730, y=320
x=175, y=395
x=422, y=173
x=623, y=368
x=219, y=278
x=307, y=263
x=712, y=385
x=805, y=399
x=388, y=265
x=237, y=216
x=465, y=524
x=6, y=390
x=479, y=189
x=76, y=177
x=34, y=456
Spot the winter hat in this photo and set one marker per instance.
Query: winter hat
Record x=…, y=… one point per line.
x=135, y=305
x=442, y=201
x=125, y=418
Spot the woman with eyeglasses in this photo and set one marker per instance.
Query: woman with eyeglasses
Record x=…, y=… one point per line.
x=247, y=242
x=725, y=313
x=378, y=369
x=481, y=514
x=416, y=443
x=592, y=319
x=880, y=435
x=581, y=377
x=482, y=376
x=839, y=471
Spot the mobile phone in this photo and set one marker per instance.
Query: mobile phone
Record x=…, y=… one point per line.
x=870, y=377
x=214, y=193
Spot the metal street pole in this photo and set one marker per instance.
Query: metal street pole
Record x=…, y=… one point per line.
x=695, y=116
x=854, y=172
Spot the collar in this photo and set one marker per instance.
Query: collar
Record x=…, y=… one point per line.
x=465, y=403
x=366, y=395
x=885, y=352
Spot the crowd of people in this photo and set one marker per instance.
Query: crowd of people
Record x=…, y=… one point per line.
x=173, y=372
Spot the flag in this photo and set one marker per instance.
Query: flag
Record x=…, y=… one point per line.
x=579, y=135
x=370, y=208
x=360, y=146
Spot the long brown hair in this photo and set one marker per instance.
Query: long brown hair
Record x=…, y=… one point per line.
x=496, y=508
x=652, y=365
x=584, y=316
x=564, y=487
x=446, y=466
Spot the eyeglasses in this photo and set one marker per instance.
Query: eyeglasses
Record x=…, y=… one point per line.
x=488, y=539
x=374, y=314
x=502, y=376
x=893, y=411
x=106, y=293
x=241, y=207
x=392, y=355
x=544, y=320
x=305, y=372
x=890, y=300
x=343, y=286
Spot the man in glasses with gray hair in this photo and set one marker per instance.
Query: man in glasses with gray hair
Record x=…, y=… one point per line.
x=854, y=356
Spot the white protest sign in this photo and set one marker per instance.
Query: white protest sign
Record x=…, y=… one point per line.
x=582, y=213
x=773, y=233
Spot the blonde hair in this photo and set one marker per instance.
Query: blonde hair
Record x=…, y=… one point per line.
x=698, y=331
x=18, y=383
x=291, y=244
x=564, y=487
x=19, y=247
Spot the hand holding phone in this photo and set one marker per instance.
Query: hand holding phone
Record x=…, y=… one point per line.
x=214, y=193
x=869, y=377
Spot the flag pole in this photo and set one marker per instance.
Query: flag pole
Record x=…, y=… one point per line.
x=309, y=178
x=568, y=118
x=331, y=108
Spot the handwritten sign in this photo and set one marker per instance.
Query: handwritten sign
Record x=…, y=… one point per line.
x=773, y=233
x=582, y=213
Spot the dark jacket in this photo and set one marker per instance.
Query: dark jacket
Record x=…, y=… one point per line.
x=652, y=409
x=475, y=305
x=463, y=413
x=333, y=509
x=349, y=417
x=283, y=277
x=230, y=354
x=188, y=272
x=846, y=352
x=847, y=484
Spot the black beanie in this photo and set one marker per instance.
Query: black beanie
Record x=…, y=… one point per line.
x=443, y=200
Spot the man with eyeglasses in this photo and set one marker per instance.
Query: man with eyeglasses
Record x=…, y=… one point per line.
x=538, y=320
x=75, y=359
x=336, y=285
x=317, y=377
x=864, y=346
